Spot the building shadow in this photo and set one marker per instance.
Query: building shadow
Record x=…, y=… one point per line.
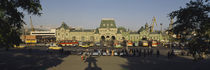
x=162, y=62
x=92, y=65
x=29, y=59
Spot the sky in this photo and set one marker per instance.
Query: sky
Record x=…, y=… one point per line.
x=131, y=14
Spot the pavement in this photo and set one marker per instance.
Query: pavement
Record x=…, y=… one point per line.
x=21, y=59
x=74, y=62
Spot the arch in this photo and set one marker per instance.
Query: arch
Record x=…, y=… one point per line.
x=107, y=36
x=113, y=38
x=123, y=38
x=102, y=38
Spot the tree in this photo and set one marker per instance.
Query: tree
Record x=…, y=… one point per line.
x=193, y=24
x=11, y=19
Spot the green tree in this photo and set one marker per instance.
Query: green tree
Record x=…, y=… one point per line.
x=11, y=19
x=193, y=24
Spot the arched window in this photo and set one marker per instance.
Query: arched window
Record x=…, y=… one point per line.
x=83, y=38
x=102, y=38
x=73, y=38
x=91, y=38
x=113, y=37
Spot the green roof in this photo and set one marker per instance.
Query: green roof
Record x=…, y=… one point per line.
x=86, y=30
x=107, y=24
x=64, y=25
x=97, y=31
x=121, y=28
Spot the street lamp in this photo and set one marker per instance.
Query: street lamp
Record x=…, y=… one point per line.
x=161, y=27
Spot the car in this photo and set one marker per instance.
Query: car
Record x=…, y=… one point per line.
x=129, y=43
x=96, y=53
x=179, y=52
x=20, y=46
x=97, y=44
x=145, y=43
x=86, y=45
x=118, y=46
x=154, y=43
x=55, y=48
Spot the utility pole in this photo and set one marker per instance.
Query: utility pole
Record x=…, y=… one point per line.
x=161, y=30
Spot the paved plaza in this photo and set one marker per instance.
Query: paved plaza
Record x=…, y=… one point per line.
x=41, y=60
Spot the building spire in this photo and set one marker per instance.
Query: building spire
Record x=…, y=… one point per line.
x=171, y=23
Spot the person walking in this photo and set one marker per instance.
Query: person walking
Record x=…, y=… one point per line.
x=158, y=53
x=169, y=54
x=139, y=52
x=144, y=52
x=151, y=52
x=148, y=52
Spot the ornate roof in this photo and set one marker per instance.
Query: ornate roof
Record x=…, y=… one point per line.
x=107, y=23
x=85, y=30
x=121, y=29
x=63, y=25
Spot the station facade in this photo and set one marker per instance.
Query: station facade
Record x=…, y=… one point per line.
x=106, y=31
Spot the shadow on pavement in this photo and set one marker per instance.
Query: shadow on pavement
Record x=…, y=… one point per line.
x=152, y=62
x=25, y=59
x=92, y=60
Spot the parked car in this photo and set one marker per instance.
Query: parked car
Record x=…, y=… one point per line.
x=55, y=48
x=86, y=44
x=178, y=51
x=98, y=44
x=20, y=46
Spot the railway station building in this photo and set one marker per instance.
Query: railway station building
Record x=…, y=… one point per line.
x=106, y=31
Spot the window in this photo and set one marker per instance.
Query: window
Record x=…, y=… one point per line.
x=91, y=38
x=83, y=38
x=73, y=38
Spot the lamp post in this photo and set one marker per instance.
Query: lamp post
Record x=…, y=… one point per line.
x=161, y=27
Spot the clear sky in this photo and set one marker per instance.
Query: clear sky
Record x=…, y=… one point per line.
x=87, y=14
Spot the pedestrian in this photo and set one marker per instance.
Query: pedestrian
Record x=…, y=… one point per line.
x=99, y=52
x=169, y=54
x=118, y=52
x=172, y=53
x=131, y=52
x=107, y=52
x=139, y=52
x=148, y=52
x=151, y=52
x=158, y=53
x=84, y=56
x=135, y=51
x=144, y=52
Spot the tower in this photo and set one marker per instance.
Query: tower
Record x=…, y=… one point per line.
x=171, y=24
x=32, y=27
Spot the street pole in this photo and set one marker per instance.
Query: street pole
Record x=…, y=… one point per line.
x=161, y=27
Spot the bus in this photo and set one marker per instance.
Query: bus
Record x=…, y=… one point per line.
x=129, y=43
x=68, y=43
x=154, y=43
x=145, y=43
